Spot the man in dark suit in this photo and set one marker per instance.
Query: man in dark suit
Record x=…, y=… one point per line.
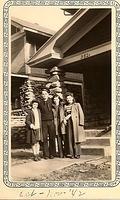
x=48, y=128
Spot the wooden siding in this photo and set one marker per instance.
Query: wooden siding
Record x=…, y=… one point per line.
x=17, y=55
x=38, y=72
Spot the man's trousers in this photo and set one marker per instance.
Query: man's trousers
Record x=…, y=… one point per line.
x=48, y=130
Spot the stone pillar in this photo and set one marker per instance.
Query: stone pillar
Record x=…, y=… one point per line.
x=55, y=81
x=26, y=94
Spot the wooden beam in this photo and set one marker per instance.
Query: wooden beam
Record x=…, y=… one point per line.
x=49, y=45
x=36, y=31
x=83, y=27
x=13, y=23
x=86, y=54
x=19, y=75
x=35, y=78
x=73, y=83
x=30, y=77
x=27, y=69
x=47, y=58
x=17, y=35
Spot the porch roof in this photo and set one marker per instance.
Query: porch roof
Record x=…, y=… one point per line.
x=52, y=52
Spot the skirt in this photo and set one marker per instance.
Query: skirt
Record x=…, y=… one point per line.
x=33, y=137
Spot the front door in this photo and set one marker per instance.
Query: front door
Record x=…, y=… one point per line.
x=77, y=90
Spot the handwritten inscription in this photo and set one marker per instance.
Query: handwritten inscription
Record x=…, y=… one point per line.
x=28, y=194
x=51, y=193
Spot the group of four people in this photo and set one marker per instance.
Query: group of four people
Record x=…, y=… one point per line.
x=49, y=119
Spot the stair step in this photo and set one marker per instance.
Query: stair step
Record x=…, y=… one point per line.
x=92, y=132
x=95, y=150
x=102, y=141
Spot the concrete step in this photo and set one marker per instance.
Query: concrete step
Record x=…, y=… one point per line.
x=102, y=141
x=92, y=132
x=96, y=145
x=96, y=150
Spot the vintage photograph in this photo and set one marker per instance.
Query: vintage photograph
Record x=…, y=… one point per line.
x=61, y=94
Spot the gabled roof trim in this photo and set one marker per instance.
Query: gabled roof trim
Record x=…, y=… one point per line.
x=19, y=23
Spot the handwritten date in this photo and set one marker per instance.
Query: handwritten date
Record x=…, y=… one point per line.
x=52, y=193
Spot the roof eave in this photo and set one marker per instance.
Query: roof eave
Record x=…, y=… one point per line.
x=55, y=57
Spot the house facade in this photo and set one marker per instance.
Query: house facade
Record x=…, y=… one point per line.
x=26, y=39
x=77, y=58
x=82, y=46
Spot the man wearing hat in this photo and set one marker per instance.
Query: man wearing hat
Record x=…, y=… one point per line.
x=48, y=128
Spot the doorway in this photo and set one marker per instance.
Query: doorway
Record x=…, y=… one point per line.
x=77, y=90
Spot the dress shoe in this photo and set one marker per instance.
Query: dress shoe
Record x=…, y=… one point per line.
x=45, y=157
x=51, y=157
x=38, y=157
x=72, y=157
x=77, y=157
x=35, y=158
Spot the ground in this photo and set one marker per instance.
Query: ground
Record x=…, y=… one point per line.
x=87, y=168
x=77, y=172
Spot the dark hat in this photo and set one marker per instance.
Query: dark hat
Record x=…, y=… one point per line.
x=44, y=88
x=34, y=101
x=69, y=94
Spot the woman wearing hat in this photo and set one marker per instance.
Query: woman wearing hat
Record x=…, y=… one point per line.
x=34, y=132
x=74, y=121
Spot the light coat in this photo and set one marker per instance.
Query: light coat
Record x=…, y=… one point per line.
x=77, y=117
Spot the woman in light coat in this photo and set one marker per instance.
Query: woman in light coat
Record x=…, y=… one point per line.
x=74, y=121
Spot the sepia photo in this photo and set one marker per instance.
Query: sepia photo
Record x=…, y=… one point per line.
x=60, y=77
x=61, y=94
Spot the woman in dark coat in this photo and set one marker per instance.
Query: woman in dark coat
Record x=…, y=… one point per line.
x=34, y=132
x=58, y=114
x=74, y=121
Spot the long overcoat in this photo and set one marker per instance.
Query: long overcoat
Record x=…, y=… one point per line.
x=77, y=117
x=60, y=123
x=30, y=119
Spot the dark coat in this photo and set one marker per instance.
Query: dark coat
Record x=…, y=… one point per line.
x=59, y=122
x=46, y=113
x=77, y=117
x=30, y=119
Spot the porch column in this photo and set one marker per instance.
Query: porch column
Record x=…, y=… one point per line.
x=26, y=94
x=56, y=81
